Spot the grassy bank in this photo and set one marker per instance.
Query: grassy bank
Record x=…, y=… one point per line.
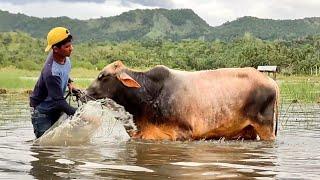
x=300, y=88
x=13, y=79
x=293, y=88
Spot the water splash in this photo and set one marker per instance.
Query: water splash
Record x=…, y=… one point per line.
x=94, y=122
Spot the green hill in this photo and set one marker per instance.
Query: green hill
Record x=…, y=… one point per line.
x=266, y=29
x=135, y=24
x=175, y=24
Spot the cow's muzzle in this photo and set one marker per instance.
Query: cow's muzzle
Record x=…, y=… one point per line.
x=85, y=97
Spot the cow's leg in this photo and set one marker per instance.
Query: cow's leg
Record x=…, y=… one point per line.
x=265, y=132
x=260, y=110
x=150, y=131
x=248, y=133
x=265, y=121
x=171, y=132
x=153, y=132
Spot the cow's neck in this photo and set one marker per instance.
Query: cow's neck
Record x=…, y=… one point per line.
x=137, y=101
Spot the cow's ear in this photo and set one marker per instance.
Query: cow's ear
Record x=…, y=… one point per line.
x=127, y=80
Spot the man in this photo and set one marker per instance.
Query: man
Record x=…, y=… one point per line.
x=47, y=99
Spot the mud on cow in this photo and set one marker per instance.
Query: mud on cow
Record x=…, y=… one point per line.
x=169, y=104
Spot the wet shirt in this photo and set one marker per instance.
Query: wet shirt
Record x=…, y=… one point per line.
x=48, y=93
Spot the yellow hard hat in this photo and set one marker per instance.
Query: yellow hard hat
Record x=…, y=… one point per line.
x=56, y=35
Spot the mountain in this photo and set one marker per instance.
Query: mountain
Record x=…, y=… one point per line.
x=135, y=24
x=266, y=29
x=175, y=24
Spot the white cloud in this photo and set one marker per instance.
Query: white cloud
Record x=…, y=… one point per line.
x=79, y=10
x=34, y=1
x=214, y=12
x=150, y=3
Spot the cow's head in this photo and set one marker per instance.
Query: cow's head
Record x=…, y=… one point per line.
x=111, y=80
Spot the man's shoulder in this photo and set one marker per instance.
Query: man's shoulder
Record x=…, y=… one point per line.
x=47, y=70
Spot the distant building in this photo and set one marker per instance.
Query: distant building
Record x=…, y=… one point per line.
x=270, y=70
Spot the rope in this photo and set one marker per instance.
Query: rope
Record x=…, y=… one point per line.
x=84, y=96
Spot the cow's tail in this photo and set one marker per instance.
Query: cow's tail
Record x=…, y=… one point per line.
x=276, y=107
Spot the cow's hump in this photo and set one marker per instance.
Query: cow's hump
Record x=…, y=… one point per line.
x=158, y=73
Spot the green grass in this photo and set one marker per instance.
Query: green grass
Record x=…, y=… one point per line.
x=10, y=79
x=293, y=88
x=13, y=79
x=300, y=89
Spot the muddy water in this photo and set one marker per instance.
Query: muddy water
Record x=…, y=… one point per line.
x=295, y=153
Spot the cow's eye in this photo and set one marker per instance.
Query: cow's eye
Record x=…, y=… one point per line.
x=103, y=76
x=100, y=76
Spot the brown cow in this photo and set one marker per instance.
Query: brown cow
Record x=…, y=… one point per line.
x=169, y=104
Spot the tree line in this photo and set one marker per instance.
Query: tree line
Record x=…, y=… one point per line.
x=293, y=57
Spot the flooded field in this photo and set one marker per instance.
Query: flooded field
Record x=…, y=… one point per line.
x=295, y=153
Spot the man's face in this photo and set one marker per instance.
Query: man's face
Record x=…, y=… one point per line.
x=64, y=50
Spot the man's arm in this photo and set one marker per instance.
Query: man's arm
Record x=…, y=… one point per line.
x=53, y=84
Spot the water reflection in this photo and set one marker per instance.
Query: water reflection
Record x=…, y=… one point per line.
x=45, y=166
x=81, y=162
x=207, y=159
x=143, y=160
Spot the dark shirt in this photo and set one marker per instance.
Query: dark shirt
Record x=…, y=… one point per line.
x=48, y=93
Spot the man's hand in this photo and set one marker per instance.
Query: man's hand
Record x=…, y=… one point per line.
x=71, y=86
x=74, y=90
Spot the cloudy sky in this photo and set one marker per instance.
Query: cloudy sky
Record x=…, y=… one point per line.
x=214, y=12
